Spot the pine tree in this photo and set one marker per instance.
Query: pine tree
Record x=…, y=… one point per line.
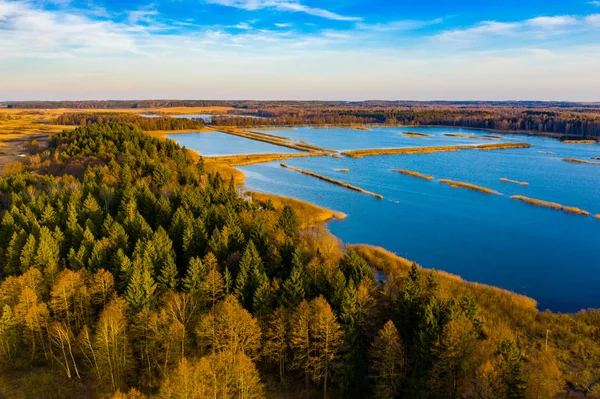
x=276, y=339
x=249, y=276
x=326, y=342
x=194, y=277
x=300, y=340
x=388, y=362
x=292, y=290
x=288, y=221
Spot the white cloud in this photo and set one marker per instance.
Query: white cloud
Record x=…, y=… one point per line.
x=595, y=3
x=283, y=25
x=535, y=28
x=283, y=5
x=393, y=26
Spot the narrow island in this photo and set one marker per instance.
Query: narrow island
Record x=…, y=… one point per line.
x=579, y=141
x=469, y=186
x=333, y=181
x=552, y=205
x=428, y=150
x=583, y=161
x=520, y=183
x=413, y=173
x=415, y=134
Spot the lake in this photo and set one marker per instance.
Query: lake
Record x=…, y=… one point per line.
x=549, y=255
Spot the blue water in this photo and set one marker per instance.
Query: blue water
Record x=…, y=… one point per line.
x=215, y=144
x=549, y=255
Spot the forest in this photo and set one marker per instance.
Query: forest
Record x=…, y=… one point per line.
x=128, y=271
x=158, y=123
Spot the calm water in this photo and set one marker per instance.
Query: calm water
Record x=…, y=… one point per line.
x=220, y=144
x=549, y=255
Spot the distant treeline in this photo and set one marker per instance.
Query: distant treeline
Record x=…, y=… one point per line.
x=296, y=104
x=575, y=123
x=162, y=123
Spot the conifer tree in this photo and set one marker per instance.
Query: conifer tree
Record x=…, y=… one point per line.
x=388, y=362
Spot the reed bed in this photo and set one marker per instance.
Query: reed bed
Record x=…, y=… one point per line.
x=309, y=214
x=492, y=136
x=333, y=181
x=428, y=150
x=583, y=161
x=468, y=186
x=579, y=141
x=520, y=183
x=240, y=160
x=598, y=216
x=552, y=205
x=413, y=173
x=344, y=170
x=415, y=134
x=456, y=135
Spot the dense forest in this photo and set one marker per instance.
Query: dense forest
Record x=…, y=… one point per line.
x=128, y=268
x=550, y=122
x=158, y=123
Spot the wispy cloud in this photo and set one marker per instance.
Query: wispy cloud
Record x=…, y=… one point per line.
x=535, y=28
x=595, y=3
x=406, y=25
x=283, y=25
x=284, y=5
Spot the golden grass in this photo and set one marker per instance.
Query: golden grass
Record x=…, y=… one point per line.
x=333, y=181
x=240, y=160
x=521, y=183
x=492, y=299
x=309, y=214
x=428, y=150
x=583, y=161
x=552, y=205
x=579, y=141
x=598, y=216
x=415, y=134
x=345, y=170
x=468, y=186
x=413, y=173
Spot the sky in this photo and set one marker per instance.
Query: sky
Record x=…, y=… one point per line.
x=300, y=49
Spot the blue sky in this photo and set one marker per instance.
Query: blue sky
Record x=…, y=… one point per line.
x=300, y=49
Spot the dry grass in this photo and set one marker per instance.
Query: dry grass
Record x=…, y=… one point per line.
x=494, y=301
x=520, y=183
x=240, y=160
x=309, y=214
x=413, y=173
x=552, y=205
x=344, y=170
x=598, y=216
x=428, y=150
x=583, y=161
x=415, y=134
x=333, y=181
x=469, y=186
